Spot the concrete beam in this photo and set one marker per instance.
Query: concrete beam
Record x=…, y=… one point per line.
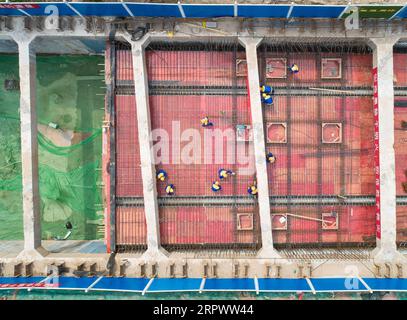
x=154, y=249
x=386, y=249
x=29, y=150
x=259, y=142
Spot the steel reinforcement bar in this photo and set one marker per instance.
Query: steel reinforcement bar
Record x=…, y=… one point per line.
x=185, y=201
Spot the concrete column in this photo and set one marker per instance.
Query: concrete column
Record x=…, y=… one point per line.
x=267, y=250
x=29, y=151
x=386, y=250
x=154, y=249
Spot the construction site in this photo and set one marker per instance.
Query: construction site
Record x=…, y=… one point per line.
x=168, y=148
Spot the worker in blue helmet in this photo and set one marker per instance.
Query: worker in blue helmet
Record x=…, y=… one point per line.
x=270, y=158
x=223, y=173
x=252, y=189
x=267, y=89
x=294, y=68
x=216, y=186
x=161, y=175
x=170, y=189
x=205, y=122
x=267, y=99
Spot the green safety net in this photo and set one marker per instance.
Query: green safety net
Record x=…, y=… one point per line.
x=70, y=102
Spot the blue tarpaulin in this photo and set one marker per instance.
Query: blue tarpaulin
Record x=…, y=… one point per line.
x=230, y=284
x=383, y=284
x=233, y=284
x=121, y=284
x=171, y=285
x=283, y=285
x=338, y=284
x=124, y=9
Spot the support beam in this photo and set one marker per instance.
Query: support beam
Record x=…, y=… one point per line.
x=386, y=250
x=154, y=249
x=267, y=250
x=29, y=150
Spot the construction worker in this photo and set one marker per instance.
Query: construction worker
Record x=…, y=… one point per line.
x=267, y=99
x=267, y=89
x=216, y=186
x=170, y=189
x=294, y=68
x=161, y=175
x=270, y=158
x=252, y=189
x=206, y=123
x=223, y=173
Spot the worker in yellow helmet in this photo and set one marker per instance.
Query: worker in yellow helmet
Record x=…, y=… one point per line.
x=223, y=173
x=294, y=68
x=267, y=89
x=161, y=175
x=270, y=158
x=206, y=123
x=252, y=190
x=170, y=189
x=216, y=186
x=267, y=99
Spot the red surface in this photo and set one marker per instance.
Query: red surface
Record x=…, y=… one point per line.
x=196, y=177
x=305, y=138
x=131, y=228
x=401, y=223
x=124, y=63
x=356, y=70
x=356, y=224
x=400, y=147
x=203, y=225
x=128, y=170
x=400, y=69
x=197, y=68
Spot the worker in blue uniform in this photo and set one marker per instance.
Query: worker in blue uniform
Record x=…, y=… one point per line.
x=267, y=89
x=252, y=190
x=223, y=173
x=170, y=189
x=294, y=68
x=270, y=158
x=206, y=123
x=216, y=186
x=161, y=175
x=267, y=99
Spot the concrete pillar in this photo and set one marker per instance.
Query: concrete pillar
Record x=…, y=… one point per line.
x=154, y=249
x=29, y=150
x=386, y=249
x=267, y=250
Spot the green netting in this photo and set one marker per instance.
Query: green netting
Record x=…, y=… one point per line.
x=70, y=113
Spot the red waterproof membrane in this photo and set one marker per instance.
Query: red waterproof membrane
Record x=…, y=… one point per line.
x=356, y=69
x=128, y=170
x=400, y=69
x=401, y=224
x=194, y=68
x=191, y=154
x=206, y=225
x=355, y=224
x=131, y=228
x=400, y=146
x=312, y=167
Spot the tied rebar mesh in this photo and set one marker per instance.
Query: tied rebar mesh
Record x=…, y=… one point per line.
x=306, y=167
x=400, y=116
x=187, y=82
